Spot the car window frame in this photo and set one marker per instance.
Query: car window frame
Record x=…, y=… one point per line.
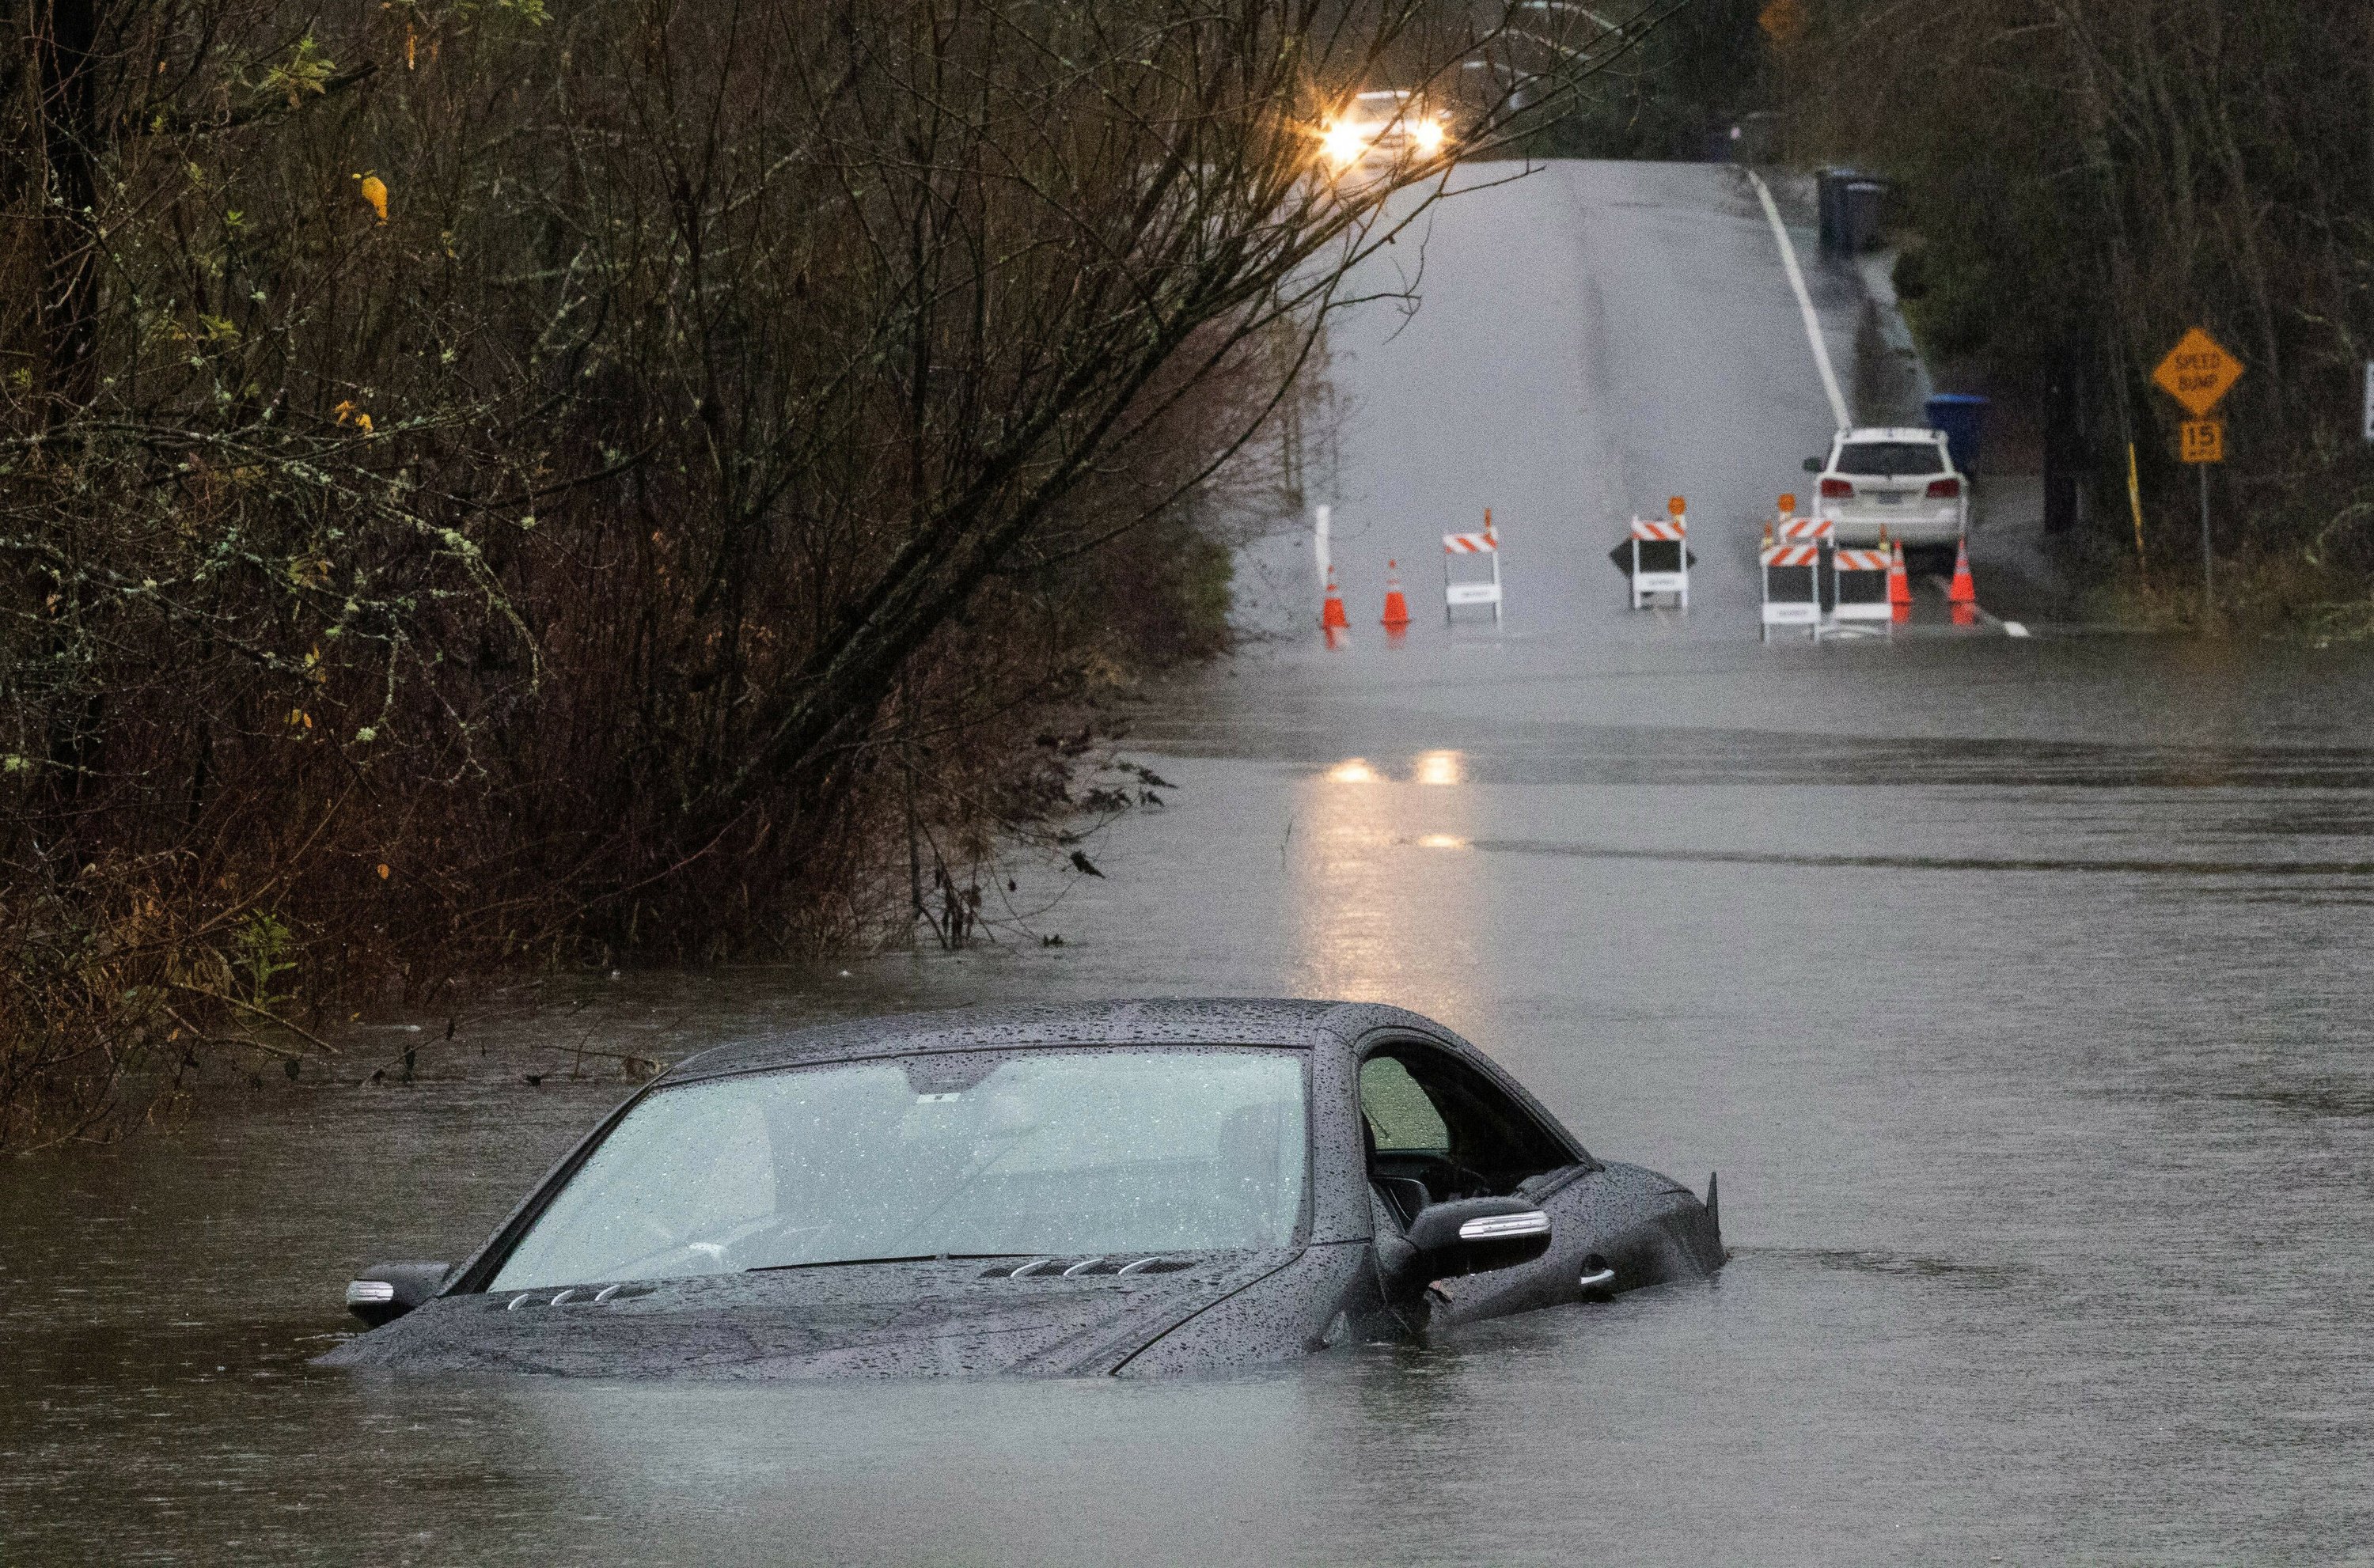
x=1583, y=1163
x=479, y=1271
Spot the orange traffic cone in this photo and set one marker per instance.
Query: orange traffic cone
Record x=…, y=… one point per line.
x=1397, y=615
x=1964, y=591
x=1331, y=619
x=1900, y=586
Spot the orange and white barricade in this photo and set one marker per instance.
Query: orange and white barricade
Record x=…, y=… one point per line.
x=1456, y=592
x=1792, y=559
x=1654, y=542
x=1859, y=587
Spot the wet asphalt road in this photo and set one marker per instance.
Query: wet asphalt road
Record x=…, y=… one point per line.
x=1593, y=339
x=2016, y=988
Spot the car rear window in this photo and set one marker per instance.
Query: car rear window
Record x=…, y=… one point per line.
x=1891, y=460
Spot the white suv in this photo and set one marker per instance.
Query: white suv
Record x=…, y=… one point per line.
x=1903, y=480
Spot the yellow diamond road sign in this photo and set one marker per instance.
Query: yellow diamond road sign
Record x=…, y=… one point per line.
x=2198, y=372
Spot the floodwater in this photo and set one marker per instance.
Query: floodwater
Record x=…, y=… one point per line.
x=2016, y=988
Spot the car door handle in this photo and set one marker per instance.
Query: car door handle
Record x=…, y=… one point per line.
x=1592, y=1281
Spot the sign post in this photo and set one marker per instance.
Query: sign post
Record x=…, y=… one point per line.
x=2201, y=442
x=2198, y=374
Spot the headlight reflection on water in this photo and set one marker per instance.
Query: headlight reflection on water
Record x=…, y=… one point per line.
x=1388, y=900
x=1438, y=768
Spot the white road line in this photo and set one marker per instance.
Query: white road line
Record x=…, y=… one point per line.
x=1804, y=301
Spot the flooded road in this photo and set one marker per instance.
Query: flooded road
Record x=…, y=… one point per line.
x=2018, y=991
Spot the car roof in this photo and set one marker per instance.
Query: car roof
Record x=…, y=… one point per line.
x=1218, y=1020
x=1890, y=433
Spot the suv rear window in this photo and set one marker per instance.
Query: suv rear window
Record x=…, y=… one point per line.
x=1891, y=460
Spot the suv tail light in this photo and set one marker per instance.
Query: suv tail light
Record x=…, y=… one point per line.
x=1944, y=489
x=1836, y=489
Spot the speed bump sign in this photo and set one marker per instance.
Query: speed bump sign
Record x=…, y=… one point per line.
x=2201, y=441
x=2198, y=374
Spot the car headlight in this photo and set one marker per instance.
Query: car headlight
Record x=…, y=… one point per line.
x=1343, y=143
x=1427, y=136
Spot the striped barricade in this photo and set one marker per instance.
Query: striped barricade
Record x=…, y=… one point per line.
x=1661, y=556
x=1858, y=586
x=1793, y=597
x=1475, y=591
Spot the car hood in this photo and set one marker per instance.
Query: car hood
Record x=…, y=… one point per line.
x=959, y=1316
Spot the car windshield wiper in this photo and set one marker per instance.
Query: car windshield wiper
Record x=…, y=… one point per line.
x=911, y=1258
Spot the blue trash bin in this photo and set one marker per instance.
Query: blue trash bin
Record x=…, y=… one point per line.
x=1961, y=416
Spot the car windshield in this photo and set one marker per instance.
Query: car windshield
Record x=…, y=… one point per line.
x=971, y=1153
x=1891, y=460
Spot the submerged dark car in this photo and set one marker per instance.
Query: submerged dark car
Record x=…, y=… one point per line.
x=1124, y=1187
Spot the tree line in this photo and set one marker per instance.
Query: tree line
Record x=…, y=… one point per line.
x=2090, y=178
x=488, y=482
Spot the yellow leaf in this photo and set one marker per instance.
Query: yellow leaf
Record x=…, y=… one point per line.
x=383, y=871
x=375, y=192
x=363, y=420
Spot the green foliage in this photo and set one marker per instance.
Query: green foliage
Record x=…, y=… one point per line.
x=306, y=71
x=265, y=950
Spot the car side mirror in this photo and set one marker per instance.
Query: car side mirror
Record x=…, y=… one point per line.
x=1468, y=1235
x=1813, y=466
x=385, y=1292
